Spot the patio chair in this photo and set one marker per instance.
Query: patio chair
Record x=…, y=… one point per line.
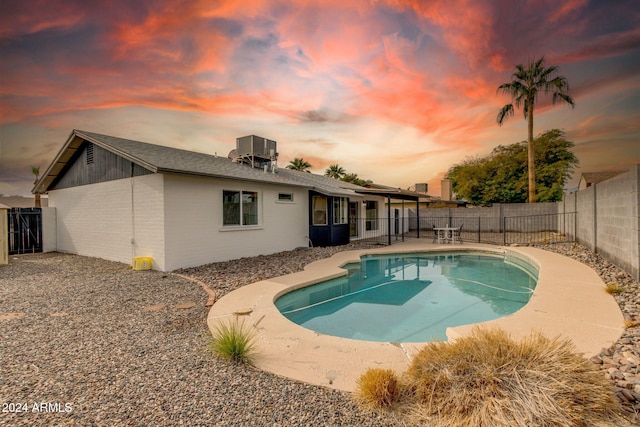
x=457, y=234
x=435, y=234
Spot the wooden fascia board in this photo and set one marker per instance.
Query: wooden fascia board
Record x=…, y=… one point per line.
x=122, y=154
x=64, y=155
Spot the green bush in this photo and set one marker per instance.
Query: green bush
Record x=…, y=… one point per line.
x=233, y=341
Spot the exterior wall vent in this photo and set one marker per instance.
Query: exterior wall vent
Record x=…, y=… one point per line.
x=90, y=153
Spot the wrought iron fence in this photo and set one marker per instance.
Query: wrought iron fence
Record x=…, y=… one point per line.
x=523, y=230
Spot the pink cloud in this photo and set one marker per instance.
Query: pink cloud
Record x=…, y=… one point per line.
x=567, y=9
x=316, y=67
x=27, y=17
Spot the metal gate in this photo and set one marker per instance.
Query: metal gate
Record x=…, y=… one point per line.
x=25, y=230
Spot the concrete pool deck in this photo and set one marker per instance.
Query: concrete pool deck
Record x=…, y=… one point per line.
x=569, y=301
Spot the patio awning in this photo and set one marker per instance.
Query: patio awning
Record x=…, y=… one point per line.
x=392, y=193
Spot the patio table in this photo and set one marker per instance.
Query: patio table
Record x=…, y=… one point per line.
x=446, y=234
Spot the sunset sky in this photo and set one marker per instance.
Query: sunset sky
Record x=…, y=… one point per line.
x=396, y=91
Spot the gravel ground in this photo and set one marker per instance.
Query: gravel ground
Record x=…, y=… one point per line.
x=78, y=348
x=85, y=341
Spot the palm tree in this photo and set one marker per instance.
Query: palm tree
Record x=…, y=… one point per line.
x=524, y=92
x=36, y=172
x=334, y=171
x=299, y=164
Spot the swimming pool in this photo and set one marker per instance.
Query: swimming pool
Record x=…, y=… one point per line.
x=412, y=297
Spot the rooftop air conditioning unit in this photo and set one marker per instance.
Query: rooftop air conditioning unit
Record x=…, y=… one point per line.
x=256, y=151
x=256, y=146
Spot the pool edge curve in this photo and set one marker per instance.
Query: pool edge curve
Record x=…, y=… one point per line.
x=563, y=304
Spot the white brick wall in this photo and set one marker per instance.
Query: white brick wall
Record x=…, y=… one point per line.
x=49, y=234
x=175, y=219
x=98, y=220
x=194, y=231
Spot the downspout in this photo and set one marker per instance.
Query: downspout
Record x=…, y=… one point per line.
x=418, y=214
x=133, y=221
x=389, y=220
x=402, y=224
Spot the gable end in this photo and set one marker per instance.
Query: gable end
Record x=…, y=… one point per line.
x=92, y=164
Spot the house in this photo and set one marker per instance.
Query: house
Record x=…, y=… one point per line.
x=587, y=179
x=119, y=199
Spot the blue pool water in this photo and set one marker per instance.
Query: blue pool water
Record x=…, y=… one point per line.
x=412, y=297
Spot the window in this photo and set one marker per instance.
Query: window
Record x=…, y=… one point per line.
x=371, y=215
x=285, y=197
x=340, y=210
x=239, y=208
x=319, y=207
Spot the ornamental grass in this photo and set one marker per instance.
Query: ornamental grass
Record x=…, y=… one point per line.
x=488, y=379
x=377, y=388
x=233, y=341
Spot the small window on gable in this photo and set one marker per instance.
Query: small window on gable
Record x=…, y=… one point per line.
x=285, y=197
x=89, y=153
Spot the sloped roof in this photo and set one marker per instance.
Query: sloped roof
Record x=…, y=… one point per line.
x=596, y=177
x=161, y=159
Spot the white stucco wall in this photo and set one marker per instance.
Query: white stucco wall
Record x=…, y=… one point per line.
x=104, y=220
x=175, y=219
x=194, y=231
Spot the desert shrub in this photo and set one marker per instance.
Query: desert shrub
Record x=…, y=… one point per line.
x=377, y=388
x=614, y=288
x=233, y=341
x=489, y=379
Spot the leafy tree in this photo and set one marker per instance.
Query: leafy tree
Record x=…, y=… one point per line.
x=502, y=176
x=353, y=179
x=523, y=89
x=299, y=164
x=334, y=171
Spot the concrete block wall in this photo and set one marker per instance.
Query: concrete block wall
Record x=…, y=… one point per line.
x=608, y=219
x=586, y=217
x=531, y=217
x=567, y=220
x=490, y=218
x=617, y=233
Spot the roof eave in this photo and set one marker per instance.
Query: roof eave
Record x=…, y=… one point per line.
x=123, y=154
x=68, y=151
x=64, y=155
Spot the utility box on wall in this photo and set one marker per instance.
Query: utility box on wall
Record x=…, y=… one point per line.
x=142, y=263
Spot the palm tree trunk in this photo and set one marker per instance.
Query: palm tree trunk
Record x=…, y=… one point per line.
x=530, y=157
x=38, y=203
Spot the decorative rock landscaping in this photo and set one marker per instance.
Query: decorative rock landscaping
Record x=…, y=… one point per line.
x=620, y=362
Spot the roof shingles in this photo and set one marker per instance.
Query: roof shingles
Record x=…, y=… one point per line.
x=162, y=159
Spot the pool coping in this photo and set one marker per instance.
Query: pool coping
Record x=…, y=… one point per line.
x=569, y=301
